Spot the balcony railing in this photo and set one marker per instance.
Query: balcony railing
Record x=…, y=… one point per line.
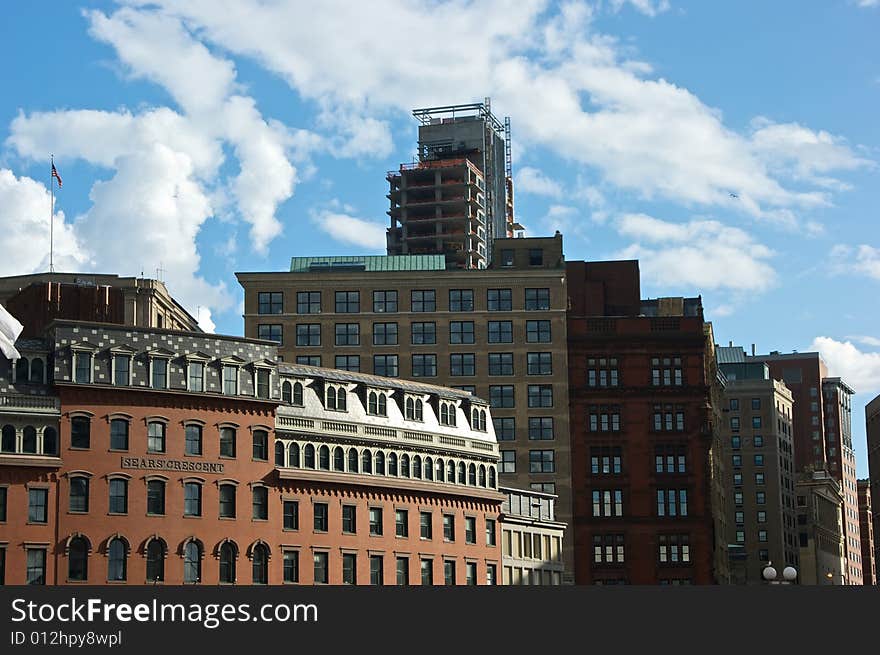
x=28, y=403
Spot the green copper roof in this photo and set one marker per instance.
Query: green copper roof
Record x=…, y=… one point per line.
x=368, y=263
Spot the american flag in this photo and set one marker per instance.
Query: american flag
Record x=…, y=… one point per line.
x=56, y=175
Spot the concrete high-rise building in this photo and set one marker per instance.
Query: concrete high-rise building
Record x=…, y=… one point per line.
x=866, y=528
x=498, y=332
x=759, y=453
x=531, y=539
x=642, y=433
x=823, y=436
x=820, y=529
x=457, y=198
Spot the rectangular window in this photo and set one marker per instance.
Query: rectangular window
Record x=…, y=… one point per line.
x=500, y=363
x=36, y=566
x=118, y=496
x=540, y=428
x=227, y=442
x=500, y=332
x=427, y=566
x=608, y=502
x=470, y=530
x=539, y=363
x=376, y=521
x=308, y=302
x=470, y=569
x=155, y=497
x=260, y=503
x=384, y=334
x=308, y=334
x=423, y=300
x=538, y=331
x=499, y=300
x=269, y=332
x=269, y=302
x=291, y=515
x=321, y=567
x=348, y=334
x=385, y=365
x=403, y=571
x=508, y=461
x=448, y=527
x=666, y=371
x=291, y=566
x=536, y=257
x=401, y=523
x=490, y=532
x=192, y=499
x=501, y=395
x=384, y=302
x=377, y=576
x=121, y=370
x=461, y=332
x=156, y=437
x=462, y=364
x=540, y=395
x=37, y=505
x=423, y=333
x=349, y=519
x=227, y=501
x=542, y=461
x=196, y=377
x=159, y=373
x=320, y=516
x=348, y=302
x=348, y=363
x=425, y=525
x=505, y=428
x=449, y=572
x=230, y=380
x=756, y=422
x=461, y=300
x=349, y=568
x=83, y=368
x=79, y=494
x=3, y=497
x=537, y=299
x=424, y=366
x=606, y=461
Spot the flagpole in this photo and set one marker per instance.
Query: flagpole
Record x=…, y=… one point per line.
x=51, y=214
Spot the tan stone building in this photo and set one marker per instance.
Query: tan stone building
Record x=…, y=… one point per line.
x=531, y=539
x=820, y=507
x=499, y=333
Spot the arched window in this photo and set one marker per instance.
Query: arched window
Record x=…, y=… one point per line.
x=286, y=392
x=475, y=418
x=429, y=468
x=324, y=458
x=309, y=456
x=29, y=440
x=404, y=465
x=380, y=462
x=293, y=455
x=156, y=550
x=78, y=559
x=119, y=434
x=279, y=453
x=452, y=414
x=461, y=473
x=383, y=405
x=440, y=470
x=298, y=394
x=417, y=466
x=261, y=445
x=331, y=398
x=352, y=460
x=444, y=414
x=7, y=445
x=340, y=399
x=372, y=403
x=418, y=414
x=392, y=464
x=116, y=559
x=450, y=471
x=260, y=559
x=50, y=441
x=483, y=420
x=227, y=562
x=472, y=475
x=227, y=442
x=22, y=370
x=338, y=459
x=410, y=408
x=79, y=494
x=482, y=475
x=492, y=477
x=37, y=370
x=367, y=462
x=192, y=562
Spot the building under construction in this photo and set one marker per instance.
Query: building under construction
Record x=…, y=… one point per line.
x=458, y=196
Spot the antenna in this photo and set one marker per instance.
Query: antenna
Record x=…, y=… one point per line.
x=159, y=273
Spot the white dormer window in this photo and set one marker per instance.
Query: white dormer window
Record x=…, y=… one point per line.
x=447, y=413
x=413, y=409
x=159, y=367
x=83, y=362
x=377, y=403
x=478, y=419
x=336, y=398
x=120, y=365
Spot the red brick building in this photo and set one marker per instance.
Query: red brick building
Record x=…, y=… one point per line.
x=866, y=530
x=639, y=390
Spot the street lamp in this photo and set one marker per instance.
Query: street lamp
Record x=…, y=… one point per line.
x=789, y=574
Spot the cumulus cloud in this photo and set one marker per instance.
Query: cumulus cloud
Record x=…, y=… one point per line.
x=700, y=253
x=532, y=180
x=341, y=225
x=861, y=370
x=647, y=7
x=860, y=260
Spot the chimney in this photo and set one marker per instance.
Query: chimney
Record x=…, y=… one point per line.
x=753, y=350
x=730, y=344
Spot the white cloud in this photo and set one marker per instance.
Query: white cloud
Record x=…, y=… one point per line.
x=861, y=370
x=864, y=339
x=860, y=260
x=338, y=222
x=700, y=253
x=647, y=7
x=24, y=224
x=868, y=3
x=532, y=180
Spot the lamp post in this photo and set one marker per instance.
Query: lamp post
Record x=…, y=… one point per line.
x=789, y=574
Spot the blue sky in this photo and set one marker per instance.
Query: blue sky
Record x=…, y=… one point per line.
x=209, y=137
